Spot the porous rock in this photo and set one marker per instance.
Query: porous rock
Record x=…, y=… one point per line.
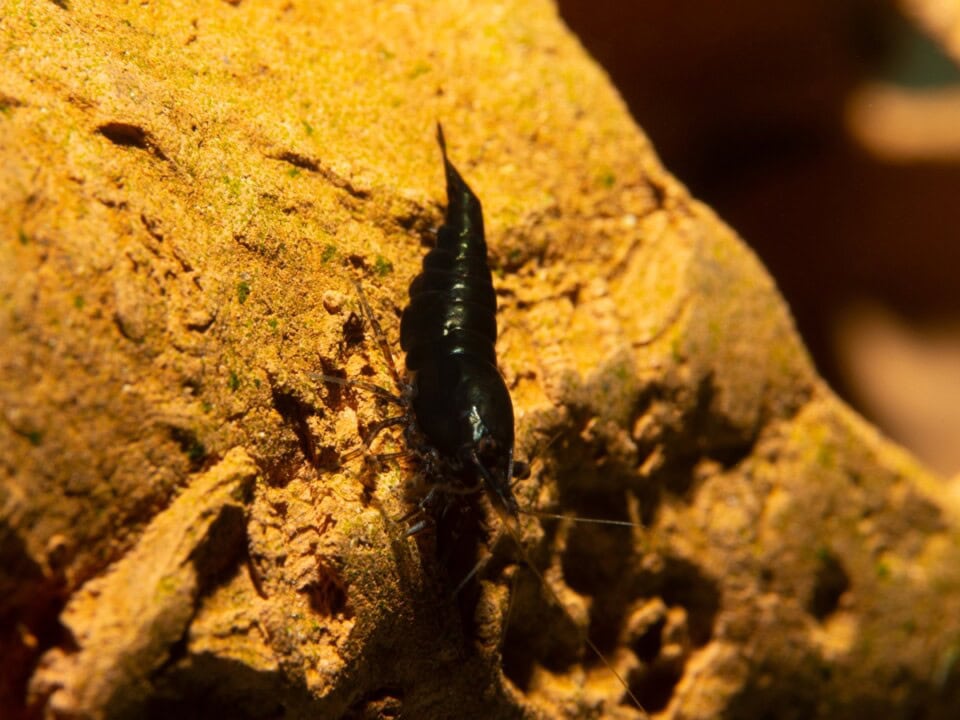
x=184, y=185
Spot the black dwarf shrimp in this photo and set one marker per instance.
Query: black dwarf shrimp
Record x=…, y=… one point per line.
x=458, y=413
x=459, y=400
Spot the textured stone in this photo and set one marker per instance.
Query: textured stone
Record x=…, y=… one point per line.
x=185, y=186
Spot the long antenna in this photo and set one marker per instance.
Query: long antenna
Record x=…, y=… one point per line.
x=574, y=518
x=507, y=523
x=379, y=335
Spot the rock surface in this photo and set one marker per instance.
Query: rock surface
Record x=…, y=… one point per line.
x=189, y=192
x=941, y=19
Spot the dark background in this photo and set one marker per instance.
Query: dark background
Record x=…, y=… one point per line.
x=765, y=111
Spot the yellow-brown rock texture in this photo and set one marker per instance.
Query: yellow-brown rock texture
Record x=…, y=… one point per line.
x=189, y=191
x=941, y=18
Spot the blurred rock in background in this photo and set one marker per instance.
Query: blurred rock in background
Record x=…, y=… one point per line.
x=828, y=134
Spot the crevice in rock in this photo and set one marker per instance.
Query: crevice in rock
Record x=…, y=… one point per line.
x=381, y=704
x=125, y=134
x=686, y=585
x=830, y=583
x=312, y=165
x=328, y=594
x=655, y=687
x=296, y=412
x=202, y=686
